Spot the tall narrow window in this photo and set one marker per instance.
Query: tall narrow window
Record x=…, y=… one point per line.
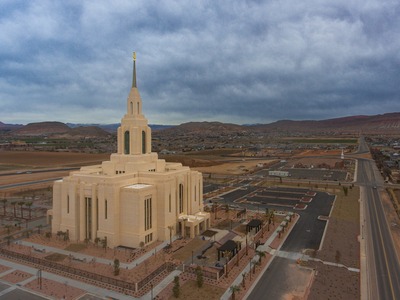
x=97, y=213
x=67, y=204
x=138, y=108
x=126, y=142
x=88, y=214
x=169, y=203
x=180, y=198
x=105, y=209
x=143, y=142
x=131, y=108
x=148, y=214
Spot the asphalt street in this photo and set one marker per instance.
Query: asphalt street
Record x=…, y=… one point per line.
x=382, y=260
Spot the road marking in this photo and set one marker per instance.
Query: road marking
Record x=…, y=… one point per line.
x=384, y=250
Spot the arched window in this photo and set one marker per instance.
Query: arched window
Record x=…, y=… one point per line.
x=126, y=142
x=131, y=107
x=143, y=142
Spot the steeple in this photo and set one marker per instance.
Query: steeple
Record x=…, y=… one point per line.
x=134, y=134
x=134, y=71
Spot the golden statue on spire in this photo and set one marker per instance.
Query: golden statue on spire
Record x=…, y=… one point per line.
x=134, y=56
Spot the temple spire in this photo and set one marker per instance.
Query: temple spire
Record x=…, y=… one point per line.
x=134, y=71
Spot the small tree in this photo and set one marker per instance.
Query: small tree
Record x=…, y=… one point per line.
x=104, y=243
x=8, y=227
x=15, y=208
x=21, y=204
x=116, y=267
x=260, y=254
x=8, y=238
x=345, y=190
x=244, y=279
x=234, y=289
x=4, y=206
x=29, y=205
x=177, y=288
x=199, y=277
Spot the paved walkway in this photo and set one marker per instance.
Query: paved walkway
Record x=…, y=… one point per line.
x=87, y=287
x=88, y=258
x=95, y=290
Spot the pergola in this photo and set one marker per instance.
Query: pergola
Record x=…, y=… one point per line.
x=230, y=246
x=255, y=223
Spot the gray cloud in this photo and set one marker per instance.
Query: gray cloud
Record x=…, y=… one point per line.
x=234, y=61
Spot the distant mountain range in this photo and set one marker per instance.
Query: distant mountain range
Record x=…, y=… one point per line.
x=378, y=124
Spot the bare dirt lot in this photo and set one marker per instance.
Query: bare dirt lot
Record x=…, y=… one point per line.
x=27, y=159
x=341, y=246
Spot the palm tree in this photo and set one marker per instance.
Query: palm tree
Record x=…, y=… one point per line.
x=234, y=289
x=21, y=204
x=29, y=205
x=4, y=206
x=244, y=279
x=260, y=254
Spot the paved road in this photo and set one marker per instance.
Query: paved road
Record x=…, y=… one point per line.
x=383, y=269
x=8, y=186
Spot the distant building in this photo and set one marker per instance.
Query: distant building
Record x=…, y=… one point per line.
x=134, y=198
x=279, y=173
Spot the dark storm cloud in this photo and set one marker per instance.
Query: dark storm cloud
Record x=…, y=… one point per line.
x=233, y=61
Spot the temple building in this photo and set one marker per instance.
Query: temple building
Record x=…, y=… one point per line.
x=134, y=198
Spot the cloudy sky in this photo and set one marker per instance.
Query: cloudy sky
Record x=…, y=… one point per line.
x=229, y=61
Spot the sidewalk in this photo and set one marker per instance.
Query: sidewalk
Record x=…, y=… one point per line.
x=95, y=290
x=88, y=258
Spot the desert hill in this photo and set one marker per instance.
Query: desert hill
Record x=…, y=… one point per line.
x=40, y=129
x=59, y=130
x=84, y=131
x=7, y=127
x=386, y=123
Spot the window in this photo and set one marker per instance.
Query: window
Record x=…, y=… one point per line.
x=169, y=203
x=143, y=142
x=148, y=238
x=126, y=142
x=131, y=108
x=67, y=204
x=147, y=213
x=180, y=198
x=88, y=215
x=97, y=213
x=105, y=209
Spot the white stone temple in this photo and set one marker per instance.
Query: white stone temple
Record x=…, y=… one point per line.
x=134, y=198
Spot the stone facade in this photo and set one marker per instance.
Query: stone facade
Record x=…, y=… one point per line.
x=134, y=198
